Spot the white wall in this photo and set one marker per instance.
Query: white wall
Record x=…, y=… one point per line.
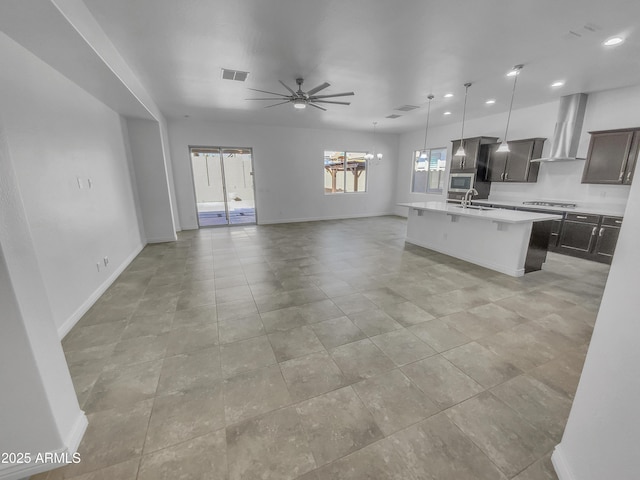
x=602, y=436
x=288, y=165
x=59, y=135
x=39, y=411
x=556, y=181
x=151, y=180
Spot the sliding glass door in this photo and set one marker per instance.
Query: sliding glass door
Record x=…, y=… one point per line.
x=223, y=183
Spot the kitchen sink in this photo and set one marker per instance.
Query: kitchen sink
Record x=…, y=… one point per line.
x=475, y=207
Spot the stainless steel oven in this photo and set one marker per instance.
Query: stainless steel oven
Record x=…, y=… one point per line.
x=461, y=182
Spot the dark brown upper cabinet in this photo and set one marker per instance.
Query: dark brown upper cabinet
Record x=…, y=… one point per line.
x=475, y=157
x=612, y=156
x=515, y=165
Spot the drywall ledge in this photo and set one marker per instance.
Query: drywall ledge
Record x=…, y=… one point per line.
x=25, y=470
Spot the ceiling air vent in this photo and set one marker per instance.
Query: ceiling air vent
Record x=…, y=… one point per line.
x=234, y=75
x=406, y=108
x=393, y=115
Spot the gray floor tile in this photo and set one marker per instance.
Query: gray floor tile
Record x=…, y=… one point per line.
x=312, y=375
x=402, y=346
x=207, y=281
x=246, y=355
x=436, y=450
x=505, y=437
x=354, y=303
x=394, y=401
x=439, y=335
x=485, y=367
x=189, y=370
x=377, y=461
x=336, y=424
x=184, y=415
x=484, y=320
x=360, y=360
x=254, y=393
x=270, y=446
x=338, y=331
x=374, y=322
x=121, y=386
x=540, y=405
x=240, y=329
x=407, y=313
x=188, y=339
x=441, y=381
x=203, y=458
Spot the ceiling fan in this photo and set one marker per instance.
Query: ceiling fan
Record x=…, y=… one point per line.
x=301, y=99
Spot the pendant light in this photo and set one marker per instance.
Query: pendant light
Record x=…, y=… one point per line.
x=424, y=153
x=369, y=156
x=504, y=146
x=461, y=152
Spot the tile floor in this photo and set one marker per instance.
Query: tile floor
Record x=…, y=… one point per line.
x=327, y=350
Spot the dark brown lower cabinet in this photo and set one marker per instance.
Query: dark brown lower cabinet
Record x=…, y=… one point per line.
x=592, y=237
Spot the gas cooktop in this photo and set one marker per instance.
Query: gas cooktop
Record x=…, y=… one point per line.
x=551, y=204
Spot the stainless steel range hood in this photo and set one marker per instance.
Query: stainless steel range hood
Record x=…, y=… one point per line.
x=568, y=128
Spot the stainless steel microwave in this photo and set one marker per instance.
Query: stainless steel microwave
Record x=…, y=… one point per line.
x=461, y=182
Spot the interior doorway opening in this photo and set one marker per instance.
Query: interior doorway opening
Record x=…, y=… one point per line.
x=223, y=184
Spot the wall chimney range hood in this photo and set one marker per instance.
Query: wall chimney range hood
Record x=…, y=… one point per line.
x=568, y=128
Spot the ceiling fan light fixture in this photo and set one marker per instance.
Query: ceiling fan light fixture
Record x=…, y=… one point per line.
x=299, y=103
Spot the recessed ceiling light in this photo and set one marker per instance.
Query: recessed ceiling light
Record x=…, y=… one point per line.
x=448, y=95
x=559, y=83
x=447, y=113
x=613, y=41
x=491, y=101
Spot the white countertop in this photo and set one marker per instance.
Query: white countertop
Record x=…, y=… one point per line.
x=494, y=214
x=607, y=210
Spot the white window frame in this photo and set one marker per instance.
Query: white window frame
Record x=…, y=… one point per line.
x=427, y=190
x=344, y=180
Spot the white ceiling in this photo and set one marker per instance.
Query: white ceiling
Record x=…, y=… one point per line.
x=390, y=53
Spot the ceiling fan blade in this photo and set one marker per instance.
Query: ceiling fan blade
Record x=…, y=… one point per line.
x=288, y=88
x=346, y=94
x=272, y=99
x=318, y=88
x=270, y=93
x=276, y=104
x=317, y=106
x=329, y=101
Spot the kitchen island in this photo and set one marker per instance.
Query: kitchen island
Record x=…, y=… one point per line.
x=508, y=241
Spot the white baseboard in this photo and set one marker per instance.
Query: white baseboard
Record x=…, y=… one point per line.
x=318, y=219
x=162, y=239
x=560, y=464
x=88, y=303
x=26, y=470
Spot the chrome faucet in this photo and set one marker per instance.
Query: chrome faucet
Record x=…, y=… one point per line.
x=467, y=197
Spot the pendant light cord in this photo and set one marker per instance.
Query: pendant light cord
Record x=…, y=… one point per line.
x=464, y=112
x=426, y=130
x=517, y=68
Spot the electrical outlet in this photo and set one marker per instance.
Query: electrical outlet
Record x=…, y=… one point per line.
x=80, y=186
x=98, y=266
x=106, y=261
